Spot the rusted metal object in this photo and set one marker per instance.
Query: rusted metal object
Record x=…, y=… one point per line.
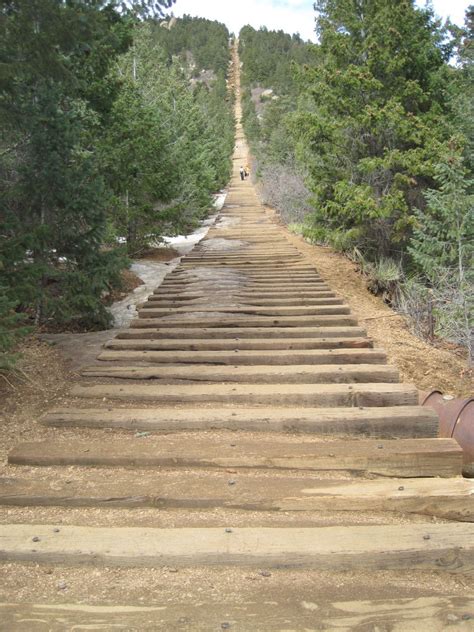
x=464, y=435
x=456, y=420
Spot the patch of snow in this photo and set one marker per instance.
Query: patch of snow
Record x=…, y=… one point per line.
x=152, y=273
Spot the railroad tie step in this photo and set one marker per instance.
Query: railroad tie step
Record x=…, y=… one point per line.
x=451, y=499
x=271, y=334
x=259, y=374
x=393, y=422
x=419, y=613
x=242, y=322
x=142, y=340
x=238, y=357
x=423, y=546
x=150, y=311
x=325, y=395
x=399, y=458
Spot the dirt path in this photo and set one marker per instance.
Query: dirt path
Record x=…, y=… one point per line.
x=242, y=457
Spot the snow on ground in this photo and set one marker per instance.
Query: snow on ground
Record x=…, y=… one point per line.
x=152, y=273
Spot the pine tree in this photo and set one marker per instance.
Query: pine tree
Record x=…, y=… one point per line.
x=55, y=98
x=443, y=247
x=371, y=125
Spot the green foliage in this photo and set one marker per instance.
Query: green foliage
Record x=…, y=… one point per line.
x=206, y=41
x=52, y=210
x=11, y=330
x=384, y=277
x=443, y=234
x=102, y=136
x=268, y=56
x=270, y=60
x=366, y=118
x=168, y=146
x=443, y=245
x=250, y=120
x=371, y=127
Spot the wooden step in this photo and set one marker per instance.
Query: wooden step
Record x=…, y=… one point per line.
x=260, y=271
x=239, y=322
x=439, y=547
x=325, y=395
x=195, y=274
x=426, y=613
x=268, y=284
x=136, y=343
x=206, y=293
x=255, y=260
x=162, y=293
x=247, y=333
x=247, y=270
x=236, y=287
x=261, y=374
x=228, y=299
x=451, y=499
x=251, y=357
x=174, y=302
x=318, y=310
x=276, y=288
x=256, y=263
x=386, y=422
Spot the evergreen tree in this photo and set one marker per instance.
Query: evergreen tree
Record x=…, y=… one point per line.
x=169, y=145
x=196, y=41
x=371, y=126
x=443, y=247
x=55, y=58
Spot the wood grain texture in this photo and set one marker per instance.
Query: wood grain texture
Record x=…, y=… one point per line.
x=433, y=614
x=259, y=374
x=325, y=395
x=451, y=499
x=399, y=458
x=449, y=547
x=251, y=357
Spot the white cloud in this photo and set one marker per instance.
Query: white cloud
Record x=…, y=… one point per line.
x=291, y=16
x=453, y=9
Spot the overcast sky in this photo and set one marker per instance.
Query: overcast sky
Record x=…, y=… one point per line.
x=292, y=16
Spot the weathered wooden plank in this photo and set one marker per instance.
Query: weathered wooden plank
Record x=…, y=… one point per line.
x=249, y=262
x=137, y=340
x=433, y=614
x=174, y=302
x=451, y=499
x=270, y=276
x=241, y=322
x=261, y=374
x=247, y=394
x=450, y=547
x=208, y=301
x=247, y=333
x=248, y=282
x=255, y=295
x=389, y=422
x=251, y=357
x=314, y=310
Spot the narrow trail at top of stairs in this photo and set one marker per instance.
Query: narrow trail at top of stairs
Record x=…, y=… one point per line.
x=290, y=444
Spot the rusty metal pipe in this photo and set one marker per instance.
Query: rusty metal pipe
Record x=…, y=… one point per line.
x=456, y=421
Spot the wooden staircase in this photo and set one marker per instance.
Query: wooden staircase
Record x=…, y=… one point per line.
x=246, y=384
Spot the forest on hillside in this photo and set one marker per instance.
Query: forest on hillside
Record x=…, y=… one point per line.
x=116, y=129
x=364, y=142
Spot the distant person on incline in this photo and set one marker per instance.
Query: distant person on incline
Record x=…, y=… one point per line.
x=247, y=170
x=242, y=173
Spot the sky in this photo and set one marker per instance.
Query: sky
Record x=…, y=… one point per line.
x=291, y=16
